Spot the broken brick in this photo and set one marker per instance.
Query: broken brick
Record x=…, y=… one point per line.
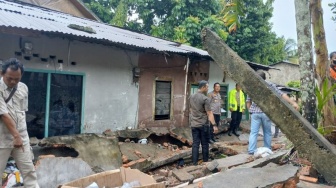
x=138, y=153
x=291, y=183
x=129, y=164
x=197, y=174
x=124, y=159
x=302, y=161
x=185, y=147
x=159, y=178
x=165, y=144
x=182, y=175
x=305, y=170
x=163, y=172
x=276, y=146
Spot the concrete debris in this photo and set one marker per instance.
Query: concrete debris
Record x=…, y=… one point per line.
x=34, y=141
x=182, y=134
x=274, y=158
x=167, y=157
x=94, y=149
x=232, y=161
x=304, y=184
x=134, y=134
x=253, y=177
x=211, y=166
x=53, y=171
x=182, y=175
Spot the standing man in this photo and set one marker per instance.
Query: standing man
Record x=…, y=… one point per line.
x=259, y=117
x=237, y=108
x=200, y=115
x=14, y=140
x=215, y=103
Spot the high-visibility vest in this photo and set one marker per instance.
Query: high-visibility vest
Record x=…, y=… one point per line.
x=233, y=102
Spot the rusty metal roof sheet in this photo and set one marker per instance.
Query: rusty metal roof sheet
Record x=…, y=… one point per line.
x=20, y=15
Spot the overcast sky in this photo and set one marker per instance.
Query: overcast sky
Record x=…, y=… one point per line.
x=284, y=23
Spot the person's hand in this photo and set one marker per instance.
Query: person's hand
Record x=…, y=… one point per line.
x=17, y=142
x=215, y=129
x=243, y=110
x=296, y=106
x=231, y=109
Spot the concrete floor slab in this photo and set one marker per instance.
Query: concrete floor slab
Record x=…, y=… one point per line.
x=252, y=177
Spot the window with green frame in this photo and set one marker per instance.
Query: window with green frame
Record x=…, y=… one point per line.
x=55, y=103
x=224, y=95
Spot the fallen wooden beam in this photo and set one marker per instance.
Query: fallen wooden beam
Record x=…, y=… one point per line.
x=306, y=139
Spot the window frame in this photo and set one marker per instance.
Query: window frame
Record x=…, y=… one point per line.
x=171, y=99
x=47, y=111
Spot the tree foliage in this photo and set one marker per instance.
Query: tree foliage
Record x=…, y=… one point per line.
x=183, y=20
x=102, y=8
x=254, y=40
x=232, y=12
x=333, y=9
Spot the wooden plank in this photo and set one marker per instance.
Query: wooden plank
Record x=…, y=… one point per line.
x=162, y=96
x=163, y=85
x=165, y=101
x=163, y=91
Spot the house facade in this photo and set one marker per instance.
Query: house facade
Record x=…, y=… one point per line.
x=288, y=72
x=86, y=77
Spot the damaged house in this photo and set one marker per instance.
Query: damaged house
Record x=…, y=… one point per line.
x=86, y=76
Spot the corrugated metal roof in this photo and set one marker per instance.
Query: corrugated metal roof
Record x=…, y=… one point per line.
x=31, y=17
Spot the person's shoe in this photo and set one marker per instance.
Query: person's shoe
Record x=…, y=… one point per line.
x=214, y=140
x=236, y=134
x=229, y=133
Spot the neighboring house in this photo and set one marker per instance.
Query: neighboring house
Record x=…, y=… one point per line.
x=288, y=72
x=84, y=76
x=73, y=7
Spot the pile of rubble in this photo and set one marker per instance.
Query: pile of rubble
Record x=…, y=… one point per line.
x=167, y=157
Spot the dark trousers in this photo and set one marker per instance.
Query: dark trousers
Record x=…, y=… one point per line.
x=211, y=132
x=200, y=136
x=236, y=117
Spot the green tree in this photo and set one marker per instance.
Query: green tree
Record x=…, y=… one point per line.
x=320, y=47
x=232, y=13
x=104, y=9
x=120, y=16
x=177, y=20
x=253, y=40
x=291, y=51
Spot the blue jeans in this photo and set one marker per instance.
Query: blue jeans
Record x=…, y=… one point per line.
x=258, y=119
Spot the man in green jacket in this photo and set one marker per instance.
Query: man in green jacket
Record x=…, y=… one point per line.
x=237, y=107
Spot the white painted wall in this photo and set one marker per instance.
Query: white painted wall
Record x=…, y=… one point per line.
x=111, y=99
x=216, y=75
